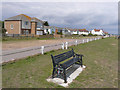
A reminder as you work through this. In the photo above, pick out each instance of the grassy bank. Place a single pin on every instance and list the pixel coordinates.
(100, 57)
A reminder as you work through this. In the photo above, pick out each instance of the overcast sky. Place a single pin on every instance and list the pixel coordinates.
(89, 15)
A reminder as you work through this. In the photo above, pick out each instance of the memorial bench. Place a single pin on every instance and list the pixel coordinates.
(68, 58)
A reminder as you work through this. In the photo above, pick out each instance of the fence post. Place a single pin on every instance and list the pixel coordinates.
(76, 42)
(83, 40)
(62, 45)
(66, 45)
(87, 40)
(42, 49)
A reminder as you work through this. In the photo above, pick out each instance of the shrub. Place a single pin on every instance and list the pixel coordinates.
(83, 34)
(59, 33)
(90, 34)
(95, 35)
(75, 34)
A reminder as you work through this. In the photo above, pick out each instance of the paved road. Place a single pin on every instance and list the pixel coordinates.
(10, 55)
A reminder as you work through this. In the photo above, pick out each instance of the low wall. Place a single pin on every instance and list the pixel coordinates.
(44, 36)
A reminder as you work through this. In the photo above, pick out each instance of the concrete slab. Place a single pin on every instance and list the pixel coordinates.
(72, 73)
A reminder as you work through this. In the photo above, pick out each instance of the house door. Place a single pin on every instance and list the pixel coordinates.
(39, 33)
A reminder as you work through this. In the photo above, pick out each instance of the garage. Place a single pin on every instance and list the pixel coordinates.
(39, 33)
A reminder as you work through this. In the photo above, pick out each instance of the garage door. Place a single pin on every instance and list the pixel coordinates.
(39, 32)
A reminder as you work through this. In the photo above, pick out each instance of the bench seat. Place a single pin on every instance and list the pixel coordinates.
(70, 62)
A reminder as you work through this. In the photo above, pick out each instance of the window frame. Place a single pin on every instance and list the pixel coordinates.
(11, 26)
(26, 22)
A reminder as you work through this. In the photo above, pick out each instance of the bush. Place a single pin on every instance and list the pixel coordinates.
(90, 34)
(59, 33)
(95, 35)
(83, 35)
(75, 34)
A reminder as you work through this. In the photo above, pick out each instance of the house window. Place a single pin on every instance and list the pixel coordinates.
(26, 32)
(11, 26)
(46, 30)
(26, 23)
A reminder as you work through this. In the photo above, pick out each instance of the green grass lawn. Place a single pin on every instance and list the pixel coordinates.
(100, 58)
(14, 39)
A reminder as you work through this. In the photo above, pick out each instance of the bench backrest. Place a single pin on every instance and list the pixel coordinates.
(61, 57)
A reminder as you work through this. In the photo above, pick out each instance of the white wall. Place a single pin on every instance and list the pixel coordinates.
(45, 31)
(86, 33)
(98, 33)
(74, 32)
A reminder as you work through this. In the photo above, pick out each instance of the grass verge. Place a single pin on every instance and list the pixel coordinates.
(100, 57)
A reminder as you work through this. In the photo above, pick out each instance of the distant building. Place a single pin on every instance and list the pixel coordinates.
(24, 25)
(83, 32)
(73, 31)
(78, 31)
(97, 32)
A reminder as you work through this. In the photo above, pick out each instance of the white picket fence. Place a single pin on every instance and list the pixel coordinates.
(21, 53)
(67, 44)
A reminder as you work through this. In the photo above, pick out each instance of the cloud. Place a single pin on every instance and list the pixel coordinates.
(87, 15)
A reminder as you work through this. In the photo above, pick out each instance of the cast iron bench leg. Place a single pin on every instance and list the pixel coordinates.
(81, 62)
(65, 79)
(53, 73)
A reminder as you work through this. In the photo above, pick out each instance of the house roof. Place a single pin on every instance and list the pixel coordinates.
(83, 30)
(19, 17)
(96, 30)
(36, 19)
(80, 30)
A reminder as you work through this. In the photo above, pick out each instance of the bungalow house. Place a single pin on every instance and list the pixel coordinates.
(23, 24)
(78, 31)
(97, 32)
(73, 31)
(83, 31)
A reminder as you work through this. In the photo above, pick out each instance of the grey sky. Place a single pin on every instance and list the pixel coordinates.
(89, 15)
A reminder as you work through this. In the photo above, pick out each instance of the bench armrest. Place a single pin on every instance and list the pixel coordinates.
(79, 55)
(62, 65)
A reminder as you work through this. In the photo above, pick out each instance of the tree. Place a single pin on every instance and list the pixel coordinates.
(4, 31)
(46, 23)
(2, 28)
(2, 24)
